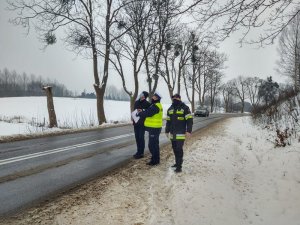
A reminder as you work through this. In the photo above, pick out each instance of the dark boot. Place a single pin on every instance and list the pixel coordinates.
(178, 170)
(137, 156)
(152, 163)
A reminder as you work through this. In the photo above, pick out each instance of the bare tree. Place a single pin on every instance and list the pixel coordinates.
(227, 92)
(215, 81)
(177, 55)
(194, 64)
(205, 64)
(211, 68)
(164, 17)
(193, 70)
(239, 87)
(86, 26)
(186, 51)
(129, 48)
(215, 75)
(270, 16)
(252, 87)
(289, 51)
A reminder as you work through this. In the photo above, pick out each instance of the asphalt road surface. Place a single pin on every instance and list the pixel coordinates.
(38, 169)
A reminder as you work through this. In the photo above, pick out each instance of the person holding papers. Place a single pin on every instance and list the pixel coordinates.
(140, 104)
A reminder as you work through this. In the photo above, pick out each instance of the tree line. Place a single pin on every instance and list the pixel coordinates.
(171, 41)
(13, 84)
(253, 89)
(111, 93)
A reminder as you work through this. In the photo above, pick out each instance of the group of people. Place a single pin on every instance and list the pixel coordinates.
(149, 117)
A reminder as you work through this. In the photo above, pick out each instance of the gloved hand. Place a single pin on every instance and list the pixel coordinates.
(188, 135)
(138, 112)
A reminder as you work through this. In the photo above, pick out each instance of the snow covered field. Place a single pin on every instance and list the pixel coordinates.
(19, 114)
(232, 175)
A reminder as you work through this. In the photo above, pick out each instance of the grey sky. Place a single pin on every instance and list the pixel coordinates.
(23, 53)
(249, 60)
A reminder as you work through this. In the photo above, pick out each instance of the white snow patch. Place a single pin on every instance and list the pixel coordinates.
(24, 115)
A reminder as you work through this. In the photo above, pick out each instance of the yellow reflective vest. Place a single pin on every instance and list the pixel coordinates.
(155, 121)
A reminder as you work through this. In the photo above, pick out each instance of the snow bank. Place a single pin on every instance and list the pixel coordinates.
(283, 122)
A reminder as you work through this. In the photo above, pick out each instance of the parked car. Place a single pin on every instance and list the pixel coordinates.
(201, 111)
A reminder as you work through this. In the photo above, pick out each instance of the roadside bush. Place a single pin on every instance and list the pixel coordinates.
(281, 117)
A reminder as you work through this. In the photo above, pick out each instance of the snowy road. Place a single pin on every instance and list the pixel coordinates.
(232, 175)
(45, 166)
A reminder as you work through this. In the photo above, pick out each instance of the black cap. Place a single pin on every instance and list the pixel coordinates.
(145, 93)
(176, 96)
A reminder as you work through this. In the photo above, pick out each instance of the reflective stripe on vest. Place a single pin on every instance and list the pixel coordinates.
(178, 137)
(155, 121)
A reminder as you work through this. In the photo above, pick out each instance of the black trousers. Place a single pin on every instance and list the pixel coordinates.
(154, 144)
(178, 152)
(139, 131)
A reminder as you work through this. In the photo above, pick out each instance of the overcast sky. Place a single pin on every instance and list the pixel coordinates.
(23, 53)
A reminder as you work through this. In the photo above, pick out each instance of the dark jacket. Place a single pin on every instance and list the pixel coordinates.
(144, 104)
(179, 121)
(151, 110)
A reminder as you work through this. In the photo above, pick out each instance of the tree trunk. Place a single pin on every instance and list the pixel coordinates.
(99, 92)
(204, 83)
(156, 70)
(98, 89)
(243, 106)
(170, 91)
(226, 101)
(100, 104)
(212, 104)
(50, 106)
(132, 101)
(179, 77)
(193, 88)
(226, 107)
(147, 67)
(199, 84)
(156, 77)
(297, 82)
(136, 80)
(212, 98)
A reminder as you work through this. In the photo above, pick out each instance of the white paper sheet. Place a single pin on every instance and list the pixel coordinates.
(134, 116)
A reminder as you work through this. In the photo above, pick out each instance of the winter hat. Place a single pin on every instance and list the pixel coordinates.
(176, 96)
(157, 95)
(145, 93)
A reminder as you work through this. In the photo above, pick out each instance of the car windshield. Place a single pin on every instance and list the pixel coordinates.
(201, 108)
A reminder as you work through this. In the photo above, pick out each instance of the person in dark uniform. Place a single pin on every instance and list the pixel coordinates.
(153, 123)
(179, 126)
(139, 129)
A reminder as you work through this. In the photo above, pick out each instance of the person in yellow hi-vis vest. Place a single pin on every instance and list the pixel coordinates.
(153, 124)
